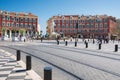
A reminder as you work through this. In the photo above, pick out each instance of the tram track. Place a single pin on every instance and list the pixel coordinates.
(87, 52)
(79, 62)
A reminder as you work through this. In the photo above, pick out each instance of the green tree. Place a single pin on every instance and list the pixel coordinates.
(22, 31)
(3, 31)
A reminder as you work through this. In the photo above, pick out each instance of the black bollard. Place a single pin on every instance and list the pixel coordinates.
(18, 55)
(57, 42)
(86, 45)
(24, 40)
(99, 46)
(116, 48)
(41, 39)
(66, 43)
(28, 62)
(47, 73)
(75, 43)
(93, 41)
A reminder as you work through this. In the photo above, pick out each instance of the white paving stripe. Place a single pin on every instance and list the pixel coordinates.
(12, 70)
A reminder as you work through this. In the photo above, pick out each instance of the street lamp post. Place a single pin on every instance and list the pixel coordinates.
(77, 30)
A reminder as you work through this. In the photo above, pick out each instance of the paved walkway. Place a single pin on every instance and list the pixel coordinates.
(10, 69)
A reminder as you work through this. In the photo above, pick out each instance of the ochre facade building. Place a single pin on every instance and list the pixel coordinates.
(82, 26)
(14, 24)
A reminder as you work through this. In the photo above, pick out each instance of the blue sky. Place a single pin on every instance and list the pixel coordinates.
(44, 9)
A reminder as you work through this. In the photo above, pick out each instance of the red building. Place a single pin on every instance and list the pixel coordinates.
(14, 24)
(82, 26)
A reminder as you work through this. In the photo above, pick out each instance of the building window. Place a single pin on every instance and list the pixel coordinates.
(17, 25)
(8, 24)
(83, 20)
(96, 25)
(62, 21)
(66, 21)
(96, 31)
(87, 26)
(3, 17)
(100, 25)
(21, 19)
(8, 18)
(71, 25)
(75, 25)
(25, 25)
(58, 25)
(34, 20)
(92, 21)
(3, 24)
(12, 25)
(106, 20)
(30, 25)
(26, 19)
(70, 21)
(21, 25)
(62, 30)
(66, 25)
(62, 25)
(105, 25)
(12, 18)
(30, 19)
(17, 19)
(74, 30)
(34, 25)
(105, 30)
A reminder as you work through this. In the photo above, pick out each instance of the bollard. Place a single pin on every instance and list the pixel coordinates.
(75, 43)
(86, 45)
(28, 62)
(18, 55)
(66, 43)
(47, 73)
(99, 46)
(116, 48)
(24, 40)
(41, 39)
(57, 42)
(93, 41)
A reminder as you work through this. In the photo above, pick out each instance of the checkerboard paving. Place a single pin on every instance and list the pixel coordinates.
(11, 70)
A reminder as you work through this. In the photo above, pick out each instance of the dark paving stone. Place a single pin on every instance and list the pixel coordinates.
(10, 61)
(16, 77)
(3, 75)
(18, 71)
(23, 70)
(2, 63)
